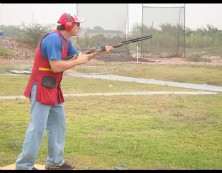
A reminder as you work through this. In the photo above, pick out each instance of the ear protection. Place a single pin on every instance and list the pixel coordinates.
(68, 24)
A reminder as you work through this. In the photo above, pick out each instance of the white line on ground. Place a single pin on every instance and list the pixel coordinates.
(124, 93)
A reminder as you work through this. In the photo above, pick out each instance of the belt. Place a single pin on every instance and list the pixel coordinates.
(45, 69)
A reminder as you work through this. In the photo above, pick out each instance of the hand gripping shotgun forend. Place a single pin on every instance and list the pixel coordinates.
(116, 45)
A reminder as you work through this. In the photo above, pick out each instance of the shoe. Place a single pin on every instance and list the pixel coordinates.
(64, 166)
(34, 168)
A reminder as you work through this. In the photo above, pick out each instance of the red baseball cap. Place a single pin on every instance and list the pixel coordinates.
(64, 18)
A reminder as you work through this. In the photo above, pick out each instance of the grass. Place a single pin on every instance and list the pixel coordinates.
(178, 73)
(143, 132)
(12, 85)
(190, 73)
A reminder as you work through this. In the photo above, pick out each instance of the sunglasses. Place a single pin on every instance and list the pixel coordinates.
(77, 24)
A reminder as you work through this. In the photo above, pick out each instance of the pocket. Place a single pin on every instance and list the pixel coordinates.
(48, 82)
(45, 95)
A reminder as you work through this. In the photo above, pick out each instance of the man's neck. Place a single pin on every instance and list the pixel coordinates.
(65, 34)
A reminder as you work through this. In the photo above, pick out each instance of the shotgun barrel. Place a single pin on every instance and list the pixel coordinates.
(115, 45)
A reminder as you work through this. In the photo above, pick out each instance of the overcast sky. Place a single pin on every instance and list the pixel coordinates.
(196, 15)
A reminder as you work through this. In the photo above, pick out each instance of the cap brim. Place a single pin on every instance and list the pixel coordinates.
(80, 21)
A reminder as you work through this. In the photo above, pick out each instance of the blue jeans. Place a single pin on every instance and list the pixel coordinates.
(43, 117)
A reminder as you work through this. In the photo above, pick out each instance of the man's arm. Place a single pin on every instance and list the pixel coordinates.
(63, 65)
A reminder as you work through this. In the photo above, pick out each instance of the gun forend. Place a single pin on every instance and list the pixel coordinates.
(95, 49)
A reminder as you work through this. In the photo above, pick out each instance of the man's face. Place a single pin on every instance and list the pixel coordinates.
(75, 29)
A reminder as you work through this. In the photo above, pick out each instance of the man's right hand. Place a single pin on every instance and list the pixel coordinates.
(86, 57)
(83, 58)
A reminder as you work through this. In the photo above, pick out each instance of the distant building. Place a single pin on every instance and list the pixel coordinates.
(98, 30)
(106, 33)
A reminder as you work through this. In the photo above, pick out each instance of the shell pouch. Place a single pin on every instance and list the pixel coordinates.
(48, 82)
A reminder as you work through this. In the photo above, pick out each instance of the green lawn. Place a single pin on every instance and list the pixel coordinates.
(143, 132)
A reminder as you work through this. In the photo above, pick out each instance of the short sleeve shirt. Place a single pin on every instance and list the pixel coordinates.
(51, 47)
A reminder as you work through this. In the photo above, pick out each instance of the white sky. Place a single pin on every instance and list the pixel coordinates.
(196, 15)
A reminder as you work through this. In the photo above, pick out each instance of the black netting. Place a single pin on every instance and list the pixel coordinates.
(167, 26)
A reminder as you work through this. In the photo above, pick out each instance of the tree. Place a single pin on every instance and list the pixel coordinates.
(34, 32)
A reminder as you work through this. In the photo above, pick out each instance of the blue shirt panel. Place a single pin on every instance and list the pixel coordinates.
(51, 47)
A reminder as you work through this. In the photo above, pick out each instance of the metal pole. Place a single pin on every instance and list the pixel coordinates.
(184, 29)
(141, 45)
(77, 13)
(137, 54)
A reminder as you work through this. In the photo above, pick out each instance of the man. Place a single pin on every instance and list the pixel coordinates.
(46, 97)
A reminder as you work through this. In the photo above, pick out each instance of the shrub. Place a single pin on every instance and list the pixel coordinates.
(7, 53)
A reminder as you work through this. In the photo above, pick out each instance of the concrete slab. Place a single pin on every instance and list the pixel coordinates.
(12, 167)
(20, 71)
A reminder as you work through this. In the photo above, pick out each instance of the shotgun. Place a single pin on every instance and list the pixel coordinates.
(116, 45)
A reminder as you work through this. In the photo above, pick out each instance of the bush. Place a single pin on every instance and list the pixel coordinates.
(7, 53)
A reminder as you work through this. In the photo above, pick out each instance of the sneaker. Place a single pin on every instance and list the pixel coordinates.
(64, 166)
